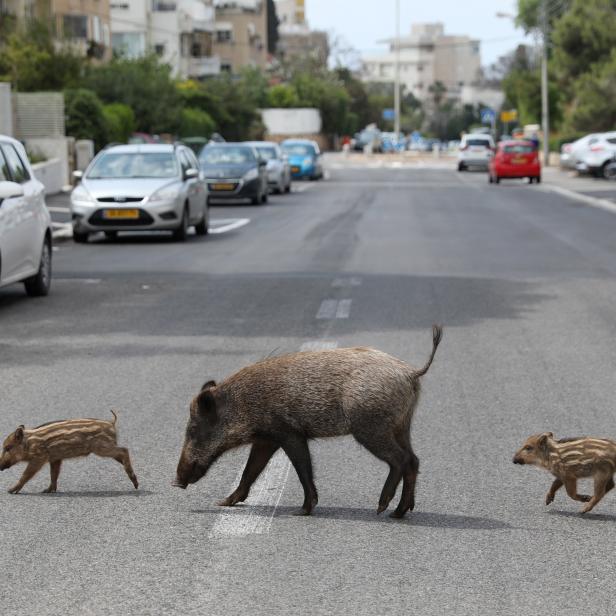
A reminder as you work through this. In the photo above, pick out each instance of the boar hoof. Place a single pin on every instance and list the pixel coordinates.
(380, 509)
(49, 490)
(14, 490)
(397, 515)
(583, 498)
(302, 512)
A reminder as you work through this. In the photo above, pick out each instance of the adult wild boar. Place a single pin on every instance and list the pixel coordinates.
(284, 401)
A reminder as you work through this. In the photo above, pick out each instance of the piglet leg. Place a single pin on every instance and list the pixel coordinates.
(54, 468)
(34, 466)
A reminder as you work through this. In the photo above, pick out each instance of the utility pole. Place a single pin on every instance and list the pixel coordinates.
(545, 110)
(397, 72)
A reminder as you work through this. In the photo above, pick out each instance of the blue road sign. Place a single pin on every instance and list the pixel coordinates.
(389, 114)
(488, 116)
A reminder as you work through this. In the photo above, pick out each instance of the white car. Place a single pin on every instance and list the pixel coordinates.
(571, 154)
(25, 224)
(476, 150)
(599, 151)
(277, 167)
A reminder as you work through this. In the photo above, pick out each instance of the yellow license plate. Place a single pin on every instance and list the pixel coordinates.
(121, 214)
(223, 186)
(295, 169)
(518, 161)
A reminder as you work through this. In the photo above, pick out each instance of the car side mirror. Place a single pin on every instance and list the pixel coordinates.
(191, 173)
(78, 175)
(262, 163)
(10, 190)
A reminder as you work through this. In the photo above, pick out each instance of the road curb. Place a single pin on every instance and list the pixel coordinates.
(603, 204)
(62, 234)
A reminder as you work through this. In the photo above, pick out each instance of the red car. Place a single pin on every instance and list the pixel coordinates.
(515, 159)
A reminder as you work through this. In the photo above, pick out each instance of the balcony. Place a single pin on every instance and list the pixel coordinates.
(203, 67)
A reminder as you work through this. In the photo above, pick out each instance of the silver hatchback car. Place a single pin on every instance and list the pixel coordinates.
(140, 188)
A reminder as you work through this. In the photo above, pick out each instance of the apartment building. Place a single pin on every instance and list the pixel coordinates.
(86, 24)
(241, 34)
(180, 32)
(426, 56)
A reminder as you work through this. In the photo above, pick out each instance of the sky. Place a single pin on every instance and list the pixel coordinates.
(362, 23)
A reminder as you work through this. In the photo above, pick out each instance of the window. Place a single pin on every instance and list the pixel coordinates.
(184, 162)
(226, 68)
(75, 26)
(129, 44)
(4, 170)
(159, 49)
(224, 36)
(16, 167)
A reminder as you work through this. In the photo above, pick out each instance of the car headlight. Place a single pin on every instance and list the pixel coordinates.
(307, 161)
(252, 174)
(81, 195)
(168, 193)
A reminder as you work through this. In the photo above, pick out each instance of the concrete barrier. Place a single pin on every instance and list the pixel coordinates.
(51, 174)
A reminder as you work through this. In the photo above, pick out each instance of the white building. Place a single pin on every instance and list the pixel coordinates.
(179, 32)
(427, 55)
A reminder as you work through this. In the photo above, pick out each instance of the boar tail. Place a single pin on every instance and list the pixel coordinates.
(437, 334)
(115, 417)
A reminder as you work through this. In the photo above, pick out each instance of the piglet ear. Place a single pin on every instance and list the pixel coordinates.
(206, 406)
(543, 441)
(208, 385)
(19, 434)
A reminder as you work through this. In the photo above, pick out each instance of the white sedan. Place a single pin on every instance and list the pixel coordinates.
(25, 224)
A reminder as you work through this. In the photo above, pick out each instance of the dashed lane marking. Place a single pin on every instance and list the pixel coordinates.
(224, 225)
(255, 518)
(352, 281)
(334, 309)
(344, 309)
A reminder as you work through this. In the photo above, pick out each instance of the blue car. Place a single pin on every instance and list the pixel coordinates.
(304, 158)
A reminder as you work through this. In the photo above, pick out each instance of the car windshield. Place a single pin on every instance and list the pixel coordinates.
(134, 165)
(519, 148)
(213, 155)
(267, 152)
(481, 142)
(298, 149)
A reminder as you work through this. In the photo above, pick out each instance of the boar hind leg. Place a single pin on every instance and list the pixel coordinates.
(601, 483)
(54, 468)
(120, 454)
(34, 466)
(260, 454)
(296, 448)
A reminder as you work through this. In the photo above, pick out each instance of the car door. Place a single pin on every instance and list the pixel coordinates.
(19, 241)
(191, 186)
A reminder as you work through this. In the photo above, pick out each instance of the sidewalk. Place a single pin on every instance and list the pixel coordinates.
(597, 188)
(59, 208)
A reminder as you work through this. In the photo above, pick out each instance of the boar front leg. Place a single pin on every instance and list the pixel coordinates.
(54, 468)
(557, 484)
(260, 454)
(34, 466)
(296, 448)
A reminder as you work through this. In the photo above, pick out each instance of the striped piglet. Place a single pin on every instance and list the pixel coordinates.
(570, 459)
(58, 440)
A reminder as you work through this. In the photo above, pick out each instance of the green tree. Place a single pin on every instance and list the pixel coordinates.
(530, 16)
(85, 118)
(120, 121)
(145, 85)
(196, 123)
(282, 95)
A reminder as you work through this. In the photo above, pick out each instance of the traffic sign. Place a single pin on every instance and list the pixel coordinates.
(488, 116)
(509, 116)
(389, 114)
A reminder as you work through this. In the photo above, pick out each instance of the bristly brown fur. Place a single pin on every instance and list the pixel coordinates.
(55, 441)
(283, 402)
(570, 459)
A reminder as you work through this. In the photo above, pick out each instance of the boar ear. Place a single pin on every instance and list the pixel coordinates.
(206, 406)
(19, 434)
(543, 442)
(208, 385)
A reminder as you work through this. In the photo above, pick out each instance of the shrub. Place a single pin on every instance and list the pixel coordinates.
(120, 121)
(85, 118)
(196, 123)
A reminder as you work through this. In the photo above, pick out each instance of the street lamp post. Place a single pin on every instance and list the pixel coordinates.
(545, 109)
(397, 74)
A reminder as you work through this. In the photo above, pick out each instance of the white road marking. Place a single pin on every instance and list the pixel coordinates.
(352, 281)
(344, 309)
(604, 204)
(327, 309)
(54, 208)
(80, 280)
(300, 188)
(224, 225)
(255, 518)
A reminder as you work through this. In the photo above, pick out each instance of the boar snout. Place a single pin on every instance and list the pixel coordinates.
(188, 472)
(517, 460)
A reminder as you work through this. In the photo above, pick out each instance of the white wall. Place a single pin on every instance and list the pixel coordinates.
(303, 121)
(50, 173)
(6, 110)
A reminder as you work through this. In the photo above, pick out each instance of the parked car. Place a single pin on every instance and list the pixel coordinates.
(304, 157)
(476, 150)
(597, 153)
(196, 144)
(140, 188)
(277, 165)
(234, 171)
(25, 224)
(572, 153)
(515, 159)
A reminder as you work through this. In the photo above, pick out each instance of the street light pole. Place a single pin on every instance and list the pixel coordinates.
(397, 72)
(545, 109)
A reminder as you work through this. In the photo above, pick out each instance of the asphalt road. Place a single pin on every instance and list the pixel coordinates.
(523, 281)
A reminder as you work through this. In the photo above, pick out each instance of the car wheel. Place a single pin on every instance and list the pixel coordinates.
(202, 228)
(461, 167)
(80, 237)
(256, 200)
(39, 284)
(111, 235)
(181, 233)
(288, 187)
(490, 179)
(538, 179)
(497, 179)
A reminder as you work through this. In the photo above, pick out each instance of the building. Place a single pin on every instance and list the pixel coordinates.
(241, 34)
(180, 32)
(86, 24)
(427, 56)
